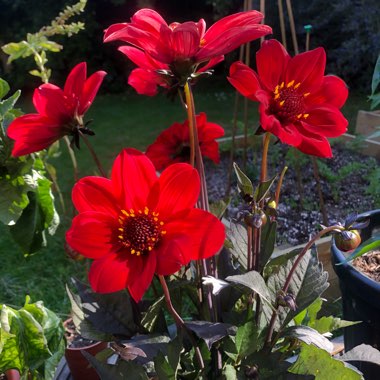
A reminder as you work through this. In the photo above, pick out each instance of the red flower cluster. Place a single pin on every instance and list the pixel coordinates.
(60, 112)
(172, 145)
(180, 50)
(298, 104)
(135, 224)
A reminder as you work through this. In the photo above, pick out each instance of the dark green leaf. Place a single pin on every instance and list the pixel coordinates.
(244, 183)
(123, 370)
(163, 369)
(309, 336)
(262, 189)
(254, 281)
(229, 372)
(28, 231)
(275, 264)
(219, 208)
(362, 353)
(319, 363)
(247, 339)
(103, 313)
(4, 88)
(376, 76)
(210, 332)
(268, 241)
(153, 314)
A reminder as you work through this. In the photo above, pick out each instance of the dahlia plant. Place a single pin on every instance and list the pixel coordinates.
(233, 311)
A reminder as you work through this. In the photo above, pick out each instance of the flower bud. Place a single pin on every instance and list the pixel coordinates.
(347, 240)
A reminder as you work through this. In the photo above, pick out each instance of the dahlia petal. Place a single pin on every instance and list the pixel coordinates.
(75, 81)
(49, 101)
(307, 69)
(133, 175)
(177, 189)
(315, 145)
(92, 234)
(114, 31)
(145, 82)
(149, 19)
(185, 40)
(210, 149)
(32, 133)
(141, 274)
(272, 60)
(211, 63)
(198, 235)
(90, 89)
(109, 274)
(95, 194)
(333, 91)
(230, 40)
(235, 20)
(141, 59)
(244, 79)
(326, 120)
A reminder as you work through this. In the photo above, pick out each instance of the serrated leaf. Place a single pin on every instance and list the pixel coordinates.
(7, 104)
(119, 371)
(35, 73)
(50, 46)
(362, 353)
(254, 281)
(367, 246)
(153, 314)
(4, 88)
(46, 201)
(103, 312)
(329, 324)
(247, 339)
(229, 372)
(309, 336)
(376, 76)
(318, 362)
(309, 281)
(210, 332)
(237, 235)
(28, 230)
(219, 208)
(268, 242)
(244, 183)
(17, 50)
(262, 189)
(309, 315)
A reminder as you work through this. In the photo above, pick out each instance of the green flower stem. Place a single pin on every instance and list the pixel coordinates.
(93, 154)
(72, 157)
(208, 266)
(179, 321)
(268, 341)
(279, 185)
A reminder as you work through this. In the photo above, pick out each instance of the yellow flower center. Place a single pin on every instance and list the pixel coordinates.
(140, 231)
(288, 104)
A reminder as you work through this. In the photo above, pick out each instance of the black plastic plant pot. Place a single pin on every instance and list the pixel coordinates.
(360, 298)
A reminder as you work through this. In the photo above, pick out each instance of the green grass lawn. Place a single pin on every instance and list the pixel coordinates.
(120, 120)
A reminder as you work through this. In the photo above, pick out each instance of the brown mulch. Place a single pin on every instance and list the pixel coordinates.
(369, 264)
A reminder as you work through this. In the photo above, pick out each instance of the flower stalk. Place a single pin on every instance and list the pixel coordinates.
(269, 342)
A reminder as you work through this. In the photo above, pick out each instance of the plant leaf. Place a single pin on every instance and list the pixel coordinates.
(309, 336)
(4, 88)
(247, 339)
(103, 312)
(119, 371)
(254, 281)
(268, 242)
(362, 353)
(329, 324)
(210, 332)
(376, 76)
(244, 183)
(318, 362)
(262, 189)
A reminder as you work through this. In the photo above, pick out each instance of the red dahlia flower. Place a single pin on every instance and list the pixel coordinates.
(298, 104)
(135, 224)
(173, 144)
(184, 46)
(60, 112)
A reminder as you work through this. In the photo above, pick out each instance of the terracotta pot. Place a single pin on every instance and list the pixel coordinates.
(79, 366)
(361, 300)
(12, 374)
